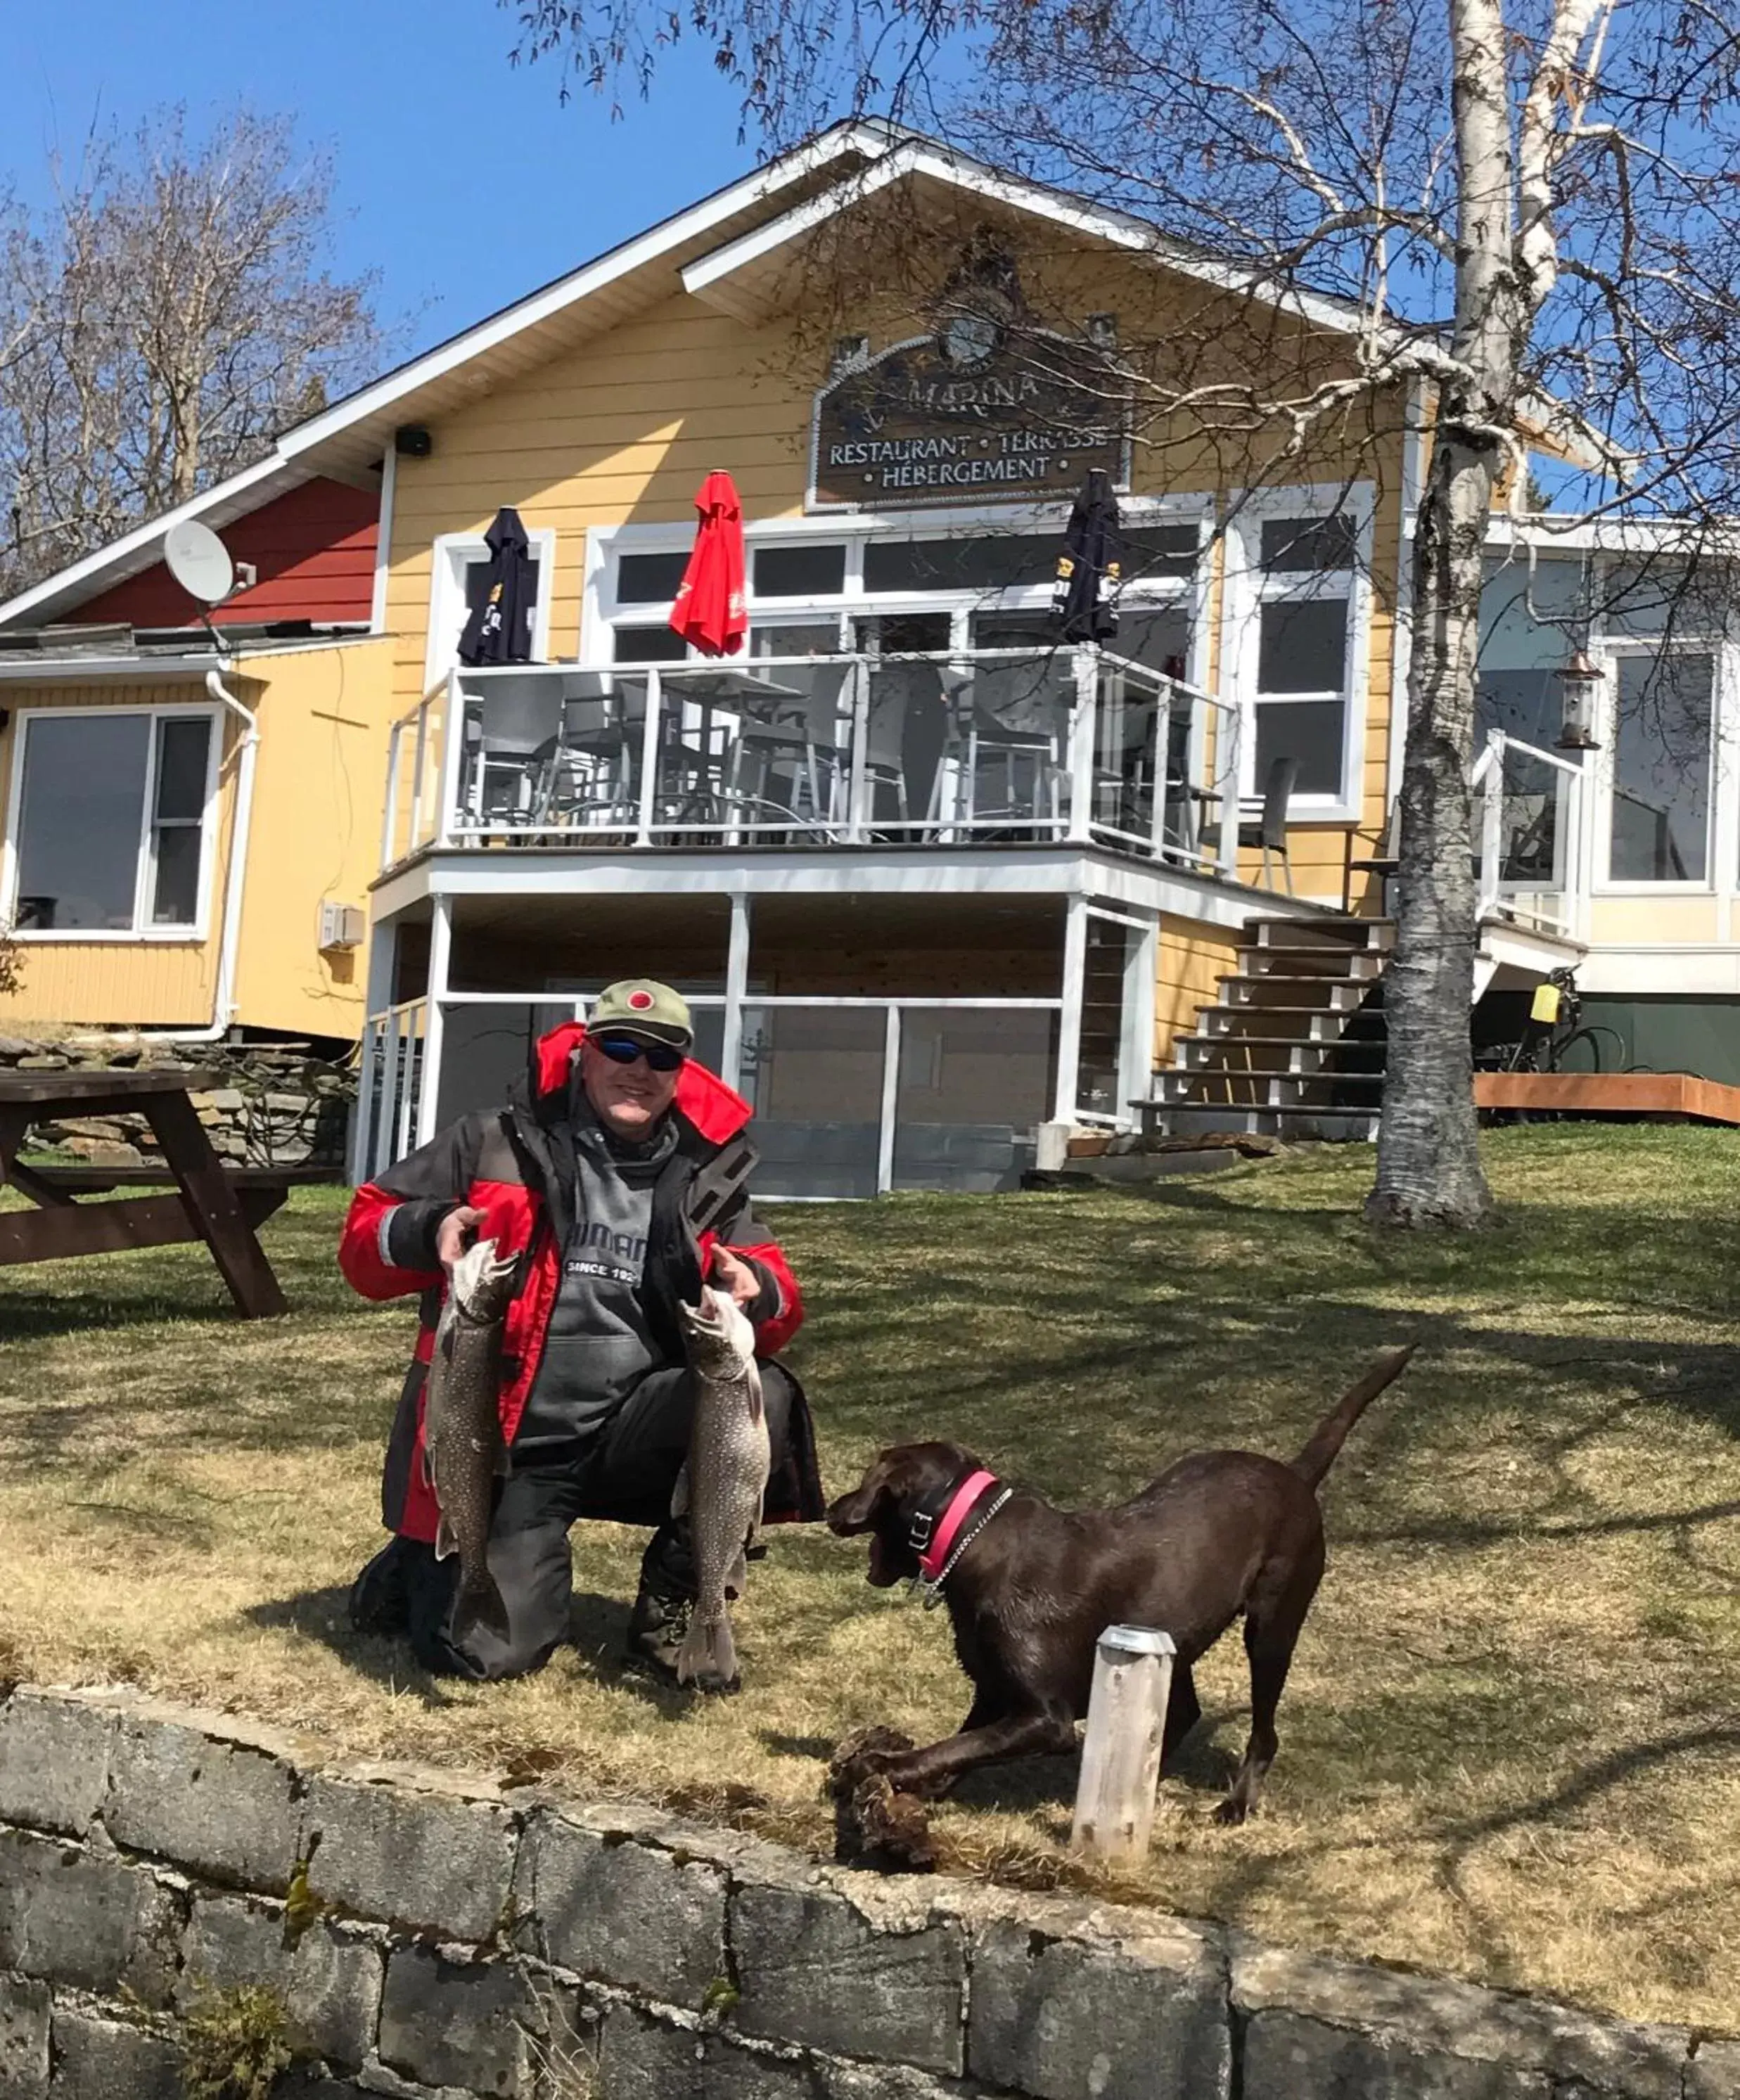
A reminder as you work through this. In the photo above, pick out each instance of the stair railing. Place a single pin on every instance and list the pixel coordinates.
(1530, 870)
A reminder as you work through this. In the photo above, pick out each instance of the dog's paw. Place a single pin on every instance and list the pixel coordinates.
(1231, 1811)
(861, 1756)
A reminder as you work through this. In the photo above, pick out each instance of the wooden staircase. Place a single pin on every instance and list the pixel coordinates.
(1295, 1046)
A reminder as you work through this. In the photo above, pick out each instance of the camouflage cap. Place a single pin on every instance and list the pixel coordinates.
(643, 1007)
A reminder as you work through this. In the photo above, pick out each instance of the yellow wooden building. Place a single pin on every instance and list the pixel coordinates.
(931, 878)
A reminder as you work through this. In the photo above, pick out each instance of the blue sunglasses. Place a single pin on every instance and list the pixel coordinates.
(627, 1049)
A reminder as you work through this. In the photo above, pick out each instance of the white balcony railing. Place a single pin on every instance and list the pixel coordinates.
(1529, 836)
(992, 746)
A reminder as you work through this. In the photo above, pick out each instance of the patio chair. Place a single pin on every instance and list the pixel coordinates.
(1383, 863)
(789, 761)
(589, 769)
(1269, 830)
(906, 736)
(992, 745)
(501, 774)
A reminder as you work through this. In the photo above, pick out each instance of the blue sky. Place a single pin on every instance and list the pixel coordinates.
(465, 180)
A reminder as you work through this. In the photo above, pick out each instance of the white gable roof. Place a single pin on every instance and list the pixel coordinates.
(747, 275)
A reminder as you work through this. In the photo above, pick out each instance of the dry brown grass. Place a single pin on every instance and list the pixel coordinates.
(1510, 1746)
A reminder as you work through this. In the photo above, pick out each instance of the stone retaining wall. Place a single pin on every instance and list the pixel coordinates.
(263, 1104)
(436, 1938)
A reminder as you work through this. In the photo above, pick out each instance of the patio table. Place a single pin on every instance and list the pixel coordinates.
(206, 1204)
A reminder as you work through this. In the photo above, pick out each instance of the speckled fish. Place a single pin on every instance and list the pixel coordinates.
(723, 1482)
(462, 1428)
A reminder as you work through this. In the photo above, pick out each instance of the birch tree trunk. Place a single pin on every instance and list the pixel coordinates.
(1428, 1170)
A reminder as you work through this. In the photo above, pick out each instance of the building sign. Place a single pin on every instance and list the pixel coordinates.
(969, 417)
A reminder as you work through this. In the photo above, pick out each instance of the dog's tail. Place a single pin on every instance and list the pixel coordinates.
(1319, 1454)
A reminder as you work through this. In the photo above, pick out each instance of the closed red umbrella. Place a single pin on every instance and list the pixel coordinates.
(709, 610)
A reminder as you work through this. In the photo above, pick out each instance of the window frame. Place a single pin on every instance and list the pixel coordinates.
(197, 932)
(602, 616)
(1609, 648)
(453, 554)
(1248, 589)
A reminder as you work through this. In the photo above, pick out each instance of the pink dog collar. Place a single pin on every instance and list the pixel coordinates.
(931, 1560)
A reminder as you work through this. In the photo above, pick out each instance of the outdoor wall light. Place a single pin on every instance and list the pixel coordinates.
(1579, 683)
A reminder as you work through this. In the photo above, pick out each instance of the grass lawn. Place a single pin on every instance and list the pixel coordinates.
(1511, 1744)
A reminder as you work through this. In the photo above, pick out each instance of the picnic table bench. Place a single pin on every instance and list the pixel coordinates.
(209, 1203)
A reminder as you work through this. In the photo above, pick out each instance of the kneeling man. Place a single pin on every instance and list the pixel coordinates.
(621, 1170)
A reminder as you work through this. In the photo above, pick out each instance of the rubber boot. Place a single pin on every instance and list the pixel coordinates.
(380, 1597)
(660, 1616)
(656, 1626)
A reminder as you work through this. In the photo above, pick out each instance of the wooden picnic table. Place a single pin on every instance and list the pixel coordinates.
(208, 1204)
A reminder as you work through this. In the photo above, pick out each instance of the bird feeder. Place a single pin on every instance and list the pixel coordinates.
(1579, 686)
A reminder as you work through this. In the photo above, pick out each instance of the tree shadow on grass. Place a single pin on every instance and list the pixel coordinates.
(323, 1615)
(30, 1317)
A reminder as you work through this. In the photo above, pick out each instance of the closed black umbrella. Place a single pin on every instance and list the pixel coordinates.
(1084, 598)
(498, 627)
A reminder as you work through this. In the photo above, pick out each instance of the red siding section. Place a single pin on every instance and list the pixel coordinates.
(314, 548)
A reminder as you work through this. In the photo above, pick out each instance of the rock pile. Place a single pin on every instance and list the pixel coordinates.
(263, 1105)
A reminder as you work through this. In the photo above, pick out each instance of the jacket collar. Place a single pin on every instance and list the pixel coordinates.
(713, 1110)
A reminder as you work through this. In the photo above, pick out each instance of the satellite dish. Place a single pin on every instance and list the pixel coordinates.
(199, 562)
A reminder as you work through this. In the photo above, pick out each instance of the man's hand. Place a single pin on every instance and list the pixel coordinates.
(737, 1276)
(454, 1231)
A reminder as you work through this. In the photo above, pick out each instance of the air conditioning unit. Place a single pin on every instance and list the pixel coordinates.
(342, 925)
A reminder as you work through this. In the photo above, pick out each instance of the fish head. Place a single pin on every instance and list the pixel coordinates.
(482, 1284)
(717, 1333)
(897, 1484)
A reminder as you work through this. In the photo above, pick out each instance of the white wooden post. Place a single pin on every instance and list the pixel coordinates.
(1492, 825)
(1084, 730)
(647, 802)
(434, 1017)
(884, 1150)
(390, 815)
(453, 748)
(1120, 1753)
(1229, 765)
(1069, 1019)
(736, 985)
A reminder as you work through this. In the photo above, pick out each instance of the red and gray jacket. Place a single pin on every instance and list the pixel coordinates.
(516, 1165)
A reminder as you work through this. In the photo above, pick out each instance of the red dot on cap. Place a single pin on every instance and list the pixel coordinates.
(640, 1000)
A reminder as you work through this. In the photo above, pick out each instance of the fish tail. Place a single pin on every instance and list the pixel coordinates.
(480, 1603)
(708, 1655)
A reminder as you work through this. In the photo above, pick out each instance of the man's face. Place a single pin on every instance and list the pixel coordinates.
(628, 1099)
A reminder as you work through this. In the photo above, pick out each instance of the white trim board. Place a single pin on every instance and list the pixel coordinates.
(1000, 870)
(383, 541)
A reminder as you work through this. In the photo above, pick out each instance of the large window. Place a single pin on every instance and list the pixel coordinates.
(820, 582)
(1305, 613)
(1660, 830)
(111, 818)
(1295, 586)
(1529, 613)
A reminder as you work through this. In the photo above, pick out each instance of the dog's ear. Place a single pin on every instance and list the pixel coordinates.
(861, 1510)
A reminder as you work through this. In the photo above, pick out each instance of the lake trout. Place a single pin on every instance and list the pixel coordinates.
(462, 1428)
(721, 1485)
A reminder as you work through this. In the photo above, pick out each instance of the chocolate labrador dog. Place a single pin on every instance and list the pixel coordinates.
(1031, 1588)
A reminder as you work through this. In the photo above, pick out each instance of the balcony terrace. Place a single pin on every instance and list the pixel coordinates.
(993, 747)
